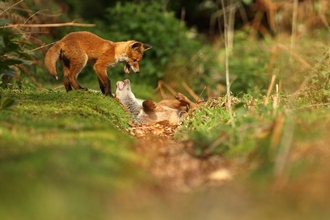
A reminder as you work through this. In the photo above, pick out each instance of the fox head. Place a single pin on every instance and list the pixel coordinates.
(123, 90)
(125, 95)
(134, 54)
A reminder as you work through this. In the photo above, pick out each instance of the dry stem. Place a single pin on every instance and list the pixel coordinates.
(227, 66)
(72, 23)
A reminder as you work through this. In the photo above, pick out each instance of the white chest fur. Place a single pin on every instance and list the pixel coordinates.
(119, 59)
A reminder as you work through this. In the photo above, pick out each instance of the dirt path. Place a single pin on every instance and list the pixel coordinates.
(169, 161)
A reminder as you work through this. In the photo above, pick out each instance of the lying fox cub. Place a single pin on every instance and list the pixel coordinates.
(150, 112)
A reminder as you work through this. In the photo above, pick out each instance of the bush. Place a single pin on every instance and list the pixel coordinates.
(12, 54)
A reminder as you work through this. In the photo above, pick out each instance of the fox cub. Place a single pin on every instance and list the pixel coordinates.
(150, 112)
(78, 48)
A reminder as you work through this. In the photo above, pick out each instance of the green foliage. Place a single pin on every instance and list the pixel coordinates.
(7, 103)
(13, 53)
(317, 90)
(209, 132)
(247, 65)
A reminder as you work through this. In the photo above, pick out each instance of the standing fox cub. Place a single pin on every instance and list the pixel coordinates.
(78, 48)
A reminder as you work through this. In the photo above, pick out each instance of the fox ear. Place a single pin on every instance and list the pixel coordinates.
(135, 45)
(146, 47)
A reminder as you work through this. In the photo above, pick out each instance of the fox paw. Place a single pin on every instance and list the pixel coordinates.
(182, 98)
(149, 105)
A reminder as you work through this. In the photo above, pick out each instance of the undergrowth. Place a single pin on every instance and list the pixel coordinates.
(209, 131)
(278, 141)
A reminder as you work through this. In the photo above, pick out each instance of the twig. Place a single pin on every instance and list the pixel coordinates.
(227, 67)
(40, 12)
(38, 48)
(200, 95)
(190, 91)
(168, 87)
(304, 83)
(49, 25)
(276, 101)
(231, 22)
(218, 14)
(35, 13)
(294, 55)
(275, 52)
(10, 7)
(294, 26)
(270, 88)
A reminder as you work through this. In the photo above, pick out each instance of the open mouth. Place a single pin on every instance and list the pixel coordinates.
(127, 68)
(120, 85)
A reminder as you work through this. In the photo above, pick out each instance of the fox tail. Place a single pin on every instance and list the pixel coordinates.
(51, 58)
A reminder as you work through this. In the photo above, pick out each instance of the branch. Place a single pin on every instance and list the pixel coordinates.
(49, 25)
(10, 7)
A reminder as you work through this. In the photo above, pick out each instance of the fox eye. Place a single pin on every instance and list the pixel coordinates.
(134, 60)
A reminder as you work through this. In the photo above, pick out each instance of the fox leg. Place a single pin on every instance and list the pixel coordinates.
(105, 87)
(184, 101)
(149, 105)
(67, 83)
(72, 68)
(104, 81)
(75, 68)
(101, 86)
(180, 101)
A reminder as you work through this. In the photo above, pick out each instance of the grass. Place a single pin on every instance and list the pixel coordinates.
(68, 156)
(273, 167)
(61, 153)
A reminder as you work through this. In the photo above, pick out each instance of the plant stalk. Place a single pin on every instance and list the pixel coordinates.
(227, 65)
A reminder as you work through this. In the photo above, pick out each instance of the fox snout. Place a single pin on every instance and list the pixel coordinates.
(128, 66)
(135, 68)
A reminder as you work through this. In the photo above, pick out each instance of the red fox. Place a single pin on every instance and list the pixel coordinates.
(150, 112)
(78, 48)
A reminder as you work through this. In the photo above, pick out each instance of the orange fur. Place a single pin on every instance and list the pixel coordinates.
(78, 48)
